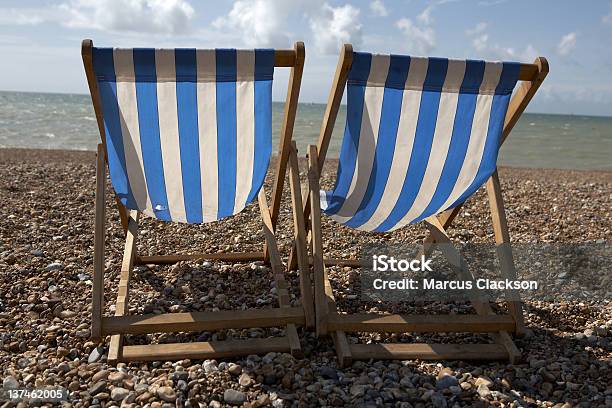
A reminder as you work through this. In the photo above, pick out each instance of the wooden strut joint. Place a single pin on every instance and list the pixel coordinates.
(276, 264)
(129, 255)
(300, 238)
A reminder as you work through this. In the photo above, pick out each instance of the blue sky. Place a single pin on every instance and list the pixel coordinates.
(40, 40)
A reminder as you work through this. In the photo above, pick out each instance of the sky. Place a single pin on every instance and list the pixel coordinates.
(40, 40)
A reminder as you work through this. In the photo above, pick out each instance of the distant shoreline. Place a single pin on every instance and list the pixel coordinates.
(14, 155)
(305, 103)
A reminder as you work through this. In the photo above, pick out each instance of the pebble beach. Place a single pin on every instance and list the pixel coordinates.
(46, 254)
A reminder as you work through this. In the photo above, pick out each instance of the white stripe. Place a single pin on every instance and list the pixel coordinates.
(368, 137)
(478, 135)
(445, 120)
(245, 126)
(130, 131)
(169, 134)
(207, 133)
(409, 115)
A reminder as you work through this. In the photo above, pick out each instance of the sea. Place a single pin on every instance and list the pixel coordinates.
(67, 121)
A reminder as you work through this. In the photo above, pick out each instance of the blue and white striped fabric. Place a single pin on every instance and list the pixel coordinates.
(421, 136)
(188, 132)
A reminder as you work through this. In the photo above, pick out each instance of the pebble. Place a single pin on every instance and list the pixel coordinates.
(234, 369)
(55, 266)
(234, 397)
(118, 394)
(244, 380)
(166, 394)
(10, 382)
(97, 388)
(95, 355)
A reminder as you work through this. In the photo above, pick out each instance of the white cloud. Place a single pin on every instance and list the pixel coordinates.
(480, 43)
(259, 22)
(378, 8)
(425, 16)
(149, 16)
(607, 18)
(334, 26)
(421, 39)
(567, 44)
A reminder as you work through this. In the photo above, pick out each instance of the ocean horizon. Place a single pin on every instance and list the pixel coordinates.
(67, 122)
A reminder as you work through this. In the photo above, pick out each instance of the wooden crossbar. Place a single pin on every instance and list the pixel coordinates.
(370, 322)
(206, 350)
(202, 321)
(427, 351)
(221, 256)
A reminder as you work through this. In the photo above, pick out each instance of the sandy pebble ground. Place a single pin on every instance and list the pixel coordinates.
(46, 247)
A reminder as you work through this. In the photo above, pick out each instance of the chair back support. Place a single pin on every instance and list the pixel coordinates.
(188, 132)
(421, 136)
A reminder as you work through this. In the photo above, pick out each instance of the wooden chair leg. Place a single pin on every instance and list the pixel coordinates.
(277, 271)
(300, 238)
(97, 304)
(129, 255)
(321, 305)
(504, 250)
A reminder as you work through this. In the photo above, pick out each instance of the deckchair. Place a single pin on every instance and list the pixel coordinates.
(187, 136)
(421, 136)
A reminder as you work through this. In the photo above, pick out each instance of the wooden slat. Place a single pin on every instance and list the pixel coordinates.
(343, 349)
(299, 237)
(284, 58)
(129, 254)
(229, 256)
(98, 263)
(369, 322)
(504, 251)
(321, 302)
(276, 264)
(202, 321)
(423, 351)
(293, 93)
(205, 350)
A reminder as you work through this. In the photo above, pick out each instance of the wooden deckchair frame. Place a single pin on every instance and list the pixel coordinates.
(329, 321)
(285, 315)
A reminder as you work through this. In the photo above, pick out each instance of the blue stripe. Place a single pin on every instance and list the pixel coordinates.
(359, 72)
(187, 110)
(226, 130)
(148, 124)
(104, 66)
(387, 134)
(499, 106)
(264, 67)
(462, 128)
(426, 125)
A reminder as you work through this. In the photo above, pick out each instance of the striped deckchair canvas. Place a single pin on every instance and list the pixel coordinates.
(189, 133)
(187, 137)
(421, 136)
